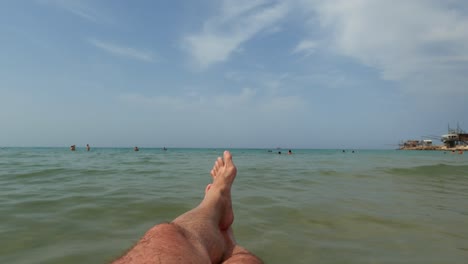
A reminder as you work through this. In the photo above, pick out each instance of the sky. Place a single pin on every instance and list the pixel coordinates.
(231, 73)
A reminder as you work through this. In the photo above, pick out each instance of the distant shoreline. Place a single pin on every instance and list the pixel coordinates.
(439, 148)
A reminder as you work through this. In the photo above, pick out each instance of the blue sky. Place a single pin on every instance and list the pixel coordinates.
(231, 73)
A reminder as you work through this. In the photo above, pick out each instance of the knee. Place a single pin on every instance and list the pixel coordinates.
(169, 242)
(174, 240)
(166, 230)
(164, 227)
(166, 238)
(173, 232)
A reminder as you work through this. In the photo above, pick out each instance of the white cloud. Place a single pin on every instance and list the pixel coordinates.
(306, 47)
(283, 104)
(232, 9)
(189, 103)
(244, 98)
(421, 43)
(247, 100)
(123, 51)
(76, 7)
(163, 102)
(237, 22)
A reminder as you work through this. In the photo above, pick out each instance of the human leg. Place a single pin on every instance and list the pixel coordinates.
(195, 236)
(237, 254)
(233, 252)
(165, 243)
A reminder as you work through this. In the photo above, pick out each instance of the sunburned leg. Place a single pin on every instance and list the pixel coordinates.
(194, 237)
(215, 211)
(223, 173)
(165, 243)
(233, 253)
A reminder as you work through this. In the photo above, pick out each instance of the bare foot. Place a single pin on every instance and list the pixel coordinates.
(224, 172)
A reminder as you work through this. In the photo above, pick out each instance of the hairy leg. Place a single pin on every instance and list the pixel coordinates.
(165, 243)
(233, 252)
(215, 211)
(195, 236)
(221, 172)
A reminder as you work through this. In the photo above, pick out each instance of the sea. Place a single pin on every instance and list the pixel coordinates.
(314, 206)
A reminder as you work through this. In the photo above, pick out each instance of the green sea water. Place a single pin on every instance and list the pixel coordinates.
(315, 206)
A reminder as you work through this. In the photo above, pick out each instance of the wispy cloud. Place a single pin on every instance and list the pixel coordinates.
(122, 51)
(306, 47)
(422, 44)
(246, 99)
(77, 7)
(237, 22)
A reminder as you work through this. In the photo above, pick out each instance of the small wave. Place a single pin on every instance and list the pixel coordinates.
(39, 173)
(431, 170)
(328, 172)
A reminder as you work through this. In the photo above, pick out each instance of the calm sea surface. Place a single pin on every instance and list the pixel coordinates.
(315, 206)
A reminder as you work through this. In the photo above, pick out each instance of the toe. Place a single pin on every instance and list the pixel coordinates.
(227, 158)
(219, 162)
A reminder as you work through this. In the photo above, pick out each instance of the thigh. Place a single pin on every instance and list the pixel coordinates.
(165, 243)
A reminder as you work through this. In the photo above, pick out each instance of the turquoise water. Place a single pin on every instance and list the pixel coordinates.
(315, 206)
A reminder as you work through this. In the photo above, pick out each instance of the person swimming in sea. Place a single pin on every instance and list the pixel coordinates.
(136, 149)
(72, 147)
(201, 235)
(88, 147)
